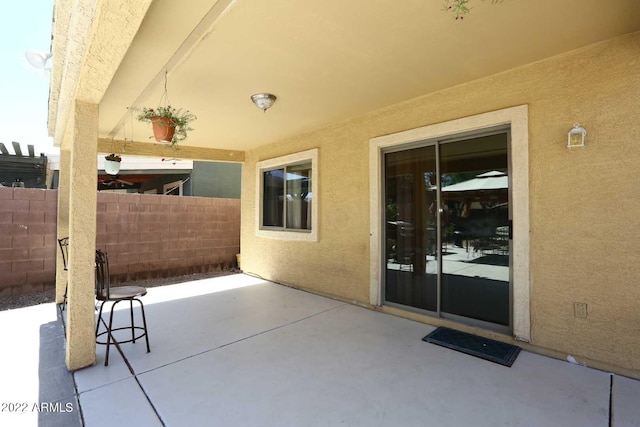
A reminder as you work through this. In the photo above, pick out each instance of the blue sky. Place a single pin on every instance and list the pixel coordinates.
(24, 92)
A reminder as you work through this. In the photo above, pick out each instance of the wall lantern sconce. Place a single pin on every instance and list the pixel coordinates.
(576, 136)
(263, 101)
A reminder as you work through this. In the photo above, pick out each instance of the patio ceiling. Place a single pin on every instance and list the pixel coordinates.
(328, 61)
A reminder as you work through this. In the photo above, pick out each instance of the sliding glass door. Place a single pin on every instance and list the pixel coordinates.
(447, 229)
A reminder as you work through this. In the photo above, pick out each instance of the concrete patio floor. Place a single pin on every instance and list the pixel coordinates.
(240, 351)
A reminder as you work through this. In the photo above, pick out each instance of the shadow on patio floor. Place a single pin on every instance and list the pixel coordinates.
(237, 350)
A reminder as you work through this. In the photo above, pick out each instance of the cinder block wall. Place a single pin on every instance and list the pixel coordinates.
(149, 236)
(27, 239)
(146, 236)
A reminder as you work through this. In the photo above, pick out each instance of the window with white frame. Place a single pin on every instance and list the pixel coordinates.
(287, 196)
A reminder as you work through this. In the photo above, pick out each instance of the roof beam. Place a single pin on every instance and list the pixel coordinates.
(59, 38)
(86, 53)
(136, 148)
(4, 149)
(17, 149)
(30, 161)
(31, 150)
(199, 33)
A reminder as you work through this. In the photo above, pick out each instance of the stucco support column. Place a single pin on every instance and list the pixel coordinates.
(81, 346)
(63, 219)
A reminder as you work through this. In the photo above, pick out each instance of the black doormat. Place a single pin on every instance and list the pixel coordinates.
(484, 348)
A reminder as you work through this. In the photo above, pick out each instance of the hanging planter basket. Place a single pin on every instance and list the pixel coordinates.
(112, 164)
(163, 128)
(170, 125)
(111, 167)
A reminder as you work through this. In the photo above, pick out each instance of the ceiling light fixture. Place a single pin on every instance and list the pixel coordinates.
(263, 101)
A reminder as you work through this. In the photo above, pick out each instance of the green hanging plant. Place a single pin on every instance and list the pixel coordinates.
(169, 124)
(461, 7)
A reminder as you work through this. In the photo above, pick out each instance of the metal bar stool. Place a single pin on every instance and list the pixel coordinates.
(105, 293)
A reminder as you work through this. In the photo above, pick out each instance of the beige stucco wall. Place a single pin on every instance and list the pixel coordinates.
(584, 203)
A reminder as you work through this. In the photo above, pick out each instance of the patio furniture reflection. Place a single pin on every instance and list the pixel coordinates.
(400, 243)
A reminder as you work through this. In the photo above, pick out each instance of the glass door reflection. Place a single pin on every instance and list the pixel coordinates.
(474, 195)
(410, 218)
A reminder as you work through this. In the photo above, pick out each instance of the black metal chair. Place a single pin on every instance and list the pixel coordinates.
(105, 293)
(64, 248)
